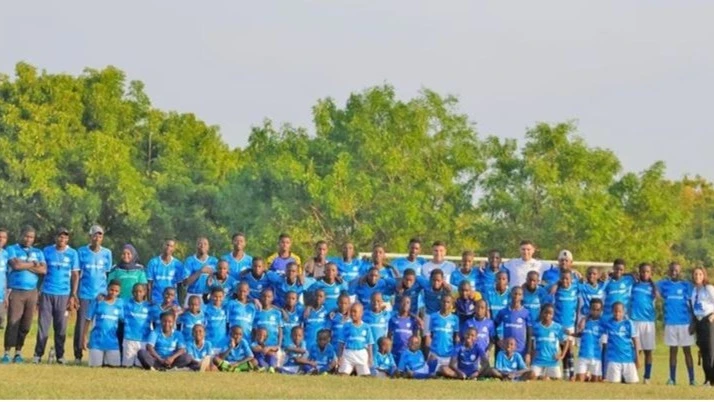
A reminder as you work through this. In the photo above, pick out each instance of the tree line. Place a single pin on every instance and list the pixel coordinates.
(78, 150)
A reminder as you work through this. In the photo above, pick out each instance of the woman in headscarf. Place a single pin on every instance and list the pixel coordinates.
(128, 271)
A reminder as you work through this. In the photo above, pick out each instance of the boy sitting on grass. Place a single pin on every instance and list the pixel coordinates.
(238, 357)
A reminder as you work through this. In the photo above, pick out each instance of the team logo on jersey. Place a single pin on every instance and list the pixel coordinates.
(272, 318)
(551, 335)
(364, 333)
(381, 319)
(65, 259)
(622, 286)
(484, 329)
(473, 357)
(409, 325)
(679, 291)
(116, 311)
(519, 320)
(514, 365)
(448, 326)
(259, 286)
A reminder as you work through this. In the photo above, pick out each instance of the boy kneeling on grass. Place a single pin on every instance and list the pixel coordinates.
(165, 348)
(239, 356)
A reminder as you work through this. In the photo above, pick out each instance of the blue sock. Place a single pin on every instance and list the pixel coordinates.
(690, 371)
(648, 370)
(673, 373)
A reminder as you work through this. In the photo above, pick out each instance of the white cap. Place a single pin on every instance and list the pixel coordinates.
(95, 229)
(565, 255)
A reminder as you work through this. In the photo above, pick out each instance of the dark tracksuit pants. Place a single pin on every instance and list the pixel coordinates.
(705, 342)
(52, 310)
(21, 307)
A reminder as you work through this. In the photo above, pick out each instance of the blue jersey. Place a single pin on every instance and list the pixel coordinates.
(186, 321)
(216, 322)
(402, 264)
(60, 265)
(443, 329)
(165, 345)
(411, 361)
(241, 314)
(94, 268)
(323, 357)
(566, 306)
(256, 285)
(506, 364)
(137, 322)
(468, 359)
(314, 322)
(587, 292)
(618, 291)
(643, 302)
(551, 276)
(432, 297)
(533, 300)
(402, 328)
(106, 317)
(487, 278)
(155, 311)
(363, 292)
(272, 320)
(337, 322)
(676, 301)
(348, 271)
(292, 355)
(23, 279)
(281, 287)
(378, 323)
(4, 256)
(590, 346)
(240, 352)
(199, 352)
(465, 309)
(457, 277)
(332, 292)
(413, 293)
(235, 267)
(291, 319)
(485, 331)
(228, 285)
(356, 337)
(162, 275)
(384, 362)
(193, 265)
(547, 343)
(620, 348)
(515, 324)
(496, 302)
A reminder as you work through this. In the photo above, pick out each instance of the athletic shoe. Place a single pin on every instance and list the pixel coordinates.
(36, 359)
(693, 383)
(5, 359)
(18, 359)
(77, 362)
(671, 382)
(271, 370)
(61, 360)
(646, 381)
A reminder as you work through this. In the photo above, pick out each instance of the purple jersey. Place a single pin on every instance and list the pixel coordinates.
(485, 330)
(401, 329)
(515, 325)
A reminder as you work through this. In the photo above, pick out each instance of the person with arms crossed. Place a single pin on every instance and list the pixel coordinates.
(315, 266)
(196, 270)
(238, 260)
(163, 271)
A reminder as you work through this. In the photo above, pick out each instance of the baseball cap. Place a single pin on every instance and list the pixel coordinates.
(565, 255)
(62, 230)
(96, 229)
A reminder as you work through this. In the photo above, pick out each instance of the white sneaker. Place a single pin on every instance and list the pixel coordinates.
(77, 362)
(36, 359)
(646, 381)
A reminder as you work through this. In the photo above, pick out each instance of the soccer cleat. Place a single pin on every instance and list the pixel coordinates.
(646, 381)
(61, 360)
(271, 370)
(671, 382)
(5, 359)
(36, 359)
(18, 359)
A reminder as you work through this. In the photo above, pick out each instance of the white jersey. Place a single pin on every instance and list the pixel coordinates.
(518, 270)
(447, 267)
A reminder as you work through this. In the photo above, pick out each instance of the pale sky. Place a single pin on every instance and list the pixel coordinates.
(637, 75)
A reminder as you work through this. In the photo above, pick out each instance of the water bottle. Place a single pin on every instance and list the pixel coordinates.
(51, 357)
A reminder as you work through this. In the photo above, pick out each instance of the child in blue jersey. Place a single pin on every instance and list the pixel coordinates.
(384, 365)
(315, 318)
(590, 288)
(165, 348)
(356, 345)
(408, 287)
(566, 310)
(137, 326)
(238, 357)
(322, 357)
(370, 283)
(443, 334)
(190, 317)
(237, 259)
(497, 299)
(621, 341)
(296, 360)
(466, 272)
(330, 286)
(348, 266)
(590, 331)
(282, 285)
(241, 311)
(103, 341)
(338, 318)
(412, 363)
(292, 315)
(270, 318)
(265, 355)
(468, 362)
(402, 326)
(199, 349)
(642, 314)
(222, 278)
(515, 322)
(466, 302)
(534, 295)
(677, 316)
(487, 274)
(545, 350)
(168, 303)
(484, 326)
(617, 289)
(216, 321)
(377, 318)
(163, 271)
(197, 268)
(510, 365)
(256, 277)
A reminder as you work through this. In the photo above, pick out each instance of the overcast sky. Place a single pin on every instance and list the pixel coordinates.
(637, 75)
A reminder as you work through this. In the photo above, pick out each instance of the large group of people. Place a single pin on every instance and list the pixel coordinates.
(412, 317)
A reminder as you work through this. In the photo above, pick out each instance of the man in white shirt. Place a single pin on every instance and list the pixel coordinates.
(518, 268)
(438, 261)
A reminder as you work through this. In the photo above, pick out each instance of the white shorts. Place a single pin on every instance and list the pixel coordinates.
(98, 358)
(646, 334)
(441, 361)
(592, 366)
(281, 357)
(131, 351)
(357, 360)
(617, 371)
(551, 372)
(380, 374)
(678, 335)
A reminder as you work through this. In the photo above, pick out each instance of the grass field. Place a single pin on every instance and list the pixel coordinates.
(29, 381)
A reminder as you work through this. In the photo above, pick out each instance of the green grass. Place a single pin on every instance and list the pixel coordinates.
(28, 381)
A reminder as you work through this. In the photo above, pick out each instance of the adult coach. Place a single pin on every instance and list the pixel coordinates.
(95, 262)
(438, 250)
(26, 265)
(518, 268)
(702, 299)
(60, 282)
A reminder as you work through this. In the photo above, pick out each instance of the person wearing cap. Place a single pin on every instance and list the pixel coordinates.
(518, 268)
(551, 276)
(95, 262)
(26, 265)
(60, 282)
